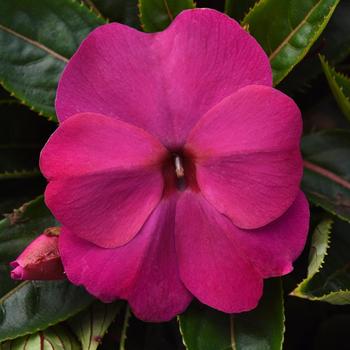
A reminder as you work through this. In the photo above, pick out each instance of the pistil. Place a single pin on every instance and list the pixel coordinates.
(179, 169)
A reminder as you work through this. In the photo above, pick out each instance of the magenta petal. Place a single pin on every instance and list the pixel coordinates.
(273, 248)
(247, 155)
(105, 177)
(211, 266)
(162, 82)
(144, 271)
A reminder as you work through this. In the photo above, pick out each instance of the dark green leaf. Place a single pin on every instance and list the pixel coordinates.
(326, 178)
(37, 38)
(328, 277)
(122, 11)
(287, 29)
(340, 86)
(36, 305)
(91, 325)
(238, 8)
(334, 43)
(156, 15)
(203, 328)
(17, 231)
(54, 338)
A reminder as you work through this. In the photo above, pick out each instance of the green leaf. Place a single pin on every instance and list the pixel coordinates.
(122, 11)
(91, 325)
(36, 305)
(334, 43)
(340, 86)
(156, 15)
(123, 335)
(54, 338)
(31, 306)
(328, 277)
(17, 230)
(287, 29)
(37, 38)
(203, 328)
(238, 8)
(326, 178)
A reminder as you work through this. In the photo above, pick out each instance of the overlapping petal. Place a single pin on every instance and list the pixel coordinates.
(224, 266)
(144, 271)
(211, 265)
(105, 177)
(162, 82)
(247, 155)
(273, 248)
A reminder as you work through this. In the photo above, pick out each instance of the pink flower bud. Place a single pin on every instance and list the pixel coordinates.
(40, 260)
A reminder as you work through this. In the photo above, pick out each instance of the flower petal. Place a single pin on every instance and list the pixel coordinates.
(162, 82)
(211, 266)
(144, 271)
(273, 248)
(105, 177)
(247, 155)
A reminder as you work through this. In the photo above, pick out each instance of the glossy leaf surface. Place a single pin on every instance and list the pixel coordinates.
(37, 38)
(287, 29)
(36, 305)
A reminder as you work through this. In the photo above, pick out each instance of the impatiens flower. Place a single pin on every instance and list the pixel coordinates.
(175, 170)
(40, 260)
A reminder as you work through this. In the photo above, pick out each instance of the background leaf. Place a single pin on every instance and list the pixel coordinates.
(203, 328)
(333, 43)
(340, 86)
(54, 338)
(91, 325)
(328, 277)
(156, 15)
(36, 305)
(326, 178)
(287, 29)
(37, 38)
(121, 11)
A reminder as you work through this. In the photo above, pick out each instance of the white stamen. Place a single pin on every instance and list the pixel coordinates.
(180, 172)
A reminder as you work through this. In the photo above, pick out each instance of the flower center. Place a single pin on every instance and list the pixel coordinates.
(179, 172)
(179, 169)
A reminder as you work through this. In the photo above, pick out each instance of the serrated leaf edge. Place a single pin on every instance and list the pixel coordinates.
(317, 33)
(298, 290)
(19, 174)
(331, 75)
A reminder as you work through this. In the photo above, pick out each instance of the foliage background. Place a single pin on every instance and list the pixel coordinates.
(57, 315)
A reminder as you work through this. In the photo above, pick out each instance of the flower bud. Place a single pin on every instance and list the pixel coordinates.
(41, 259)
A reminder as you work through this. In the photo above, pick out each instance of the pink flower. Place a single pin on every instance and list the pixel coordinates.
(40, 260)
(175, 170)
